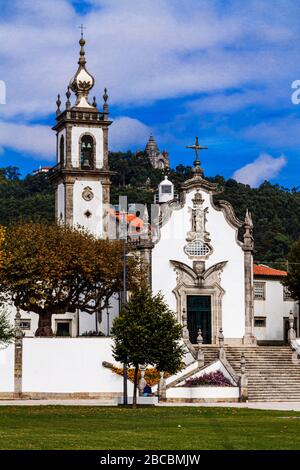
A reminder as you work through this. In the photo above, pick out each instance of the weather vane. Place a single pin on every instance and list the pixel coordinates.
(81, 27)
(197, 148)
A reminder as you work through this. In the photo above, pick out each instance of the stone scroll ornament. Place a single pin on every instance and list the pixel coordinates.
(198, 246)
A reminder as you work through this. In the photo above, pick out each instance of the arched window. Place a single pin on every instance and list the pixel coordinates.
(87, 152)
(62, 149)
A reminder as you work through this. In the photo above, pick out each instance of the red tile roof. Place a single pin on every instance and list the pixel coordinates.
(262, 270)
(131, 219)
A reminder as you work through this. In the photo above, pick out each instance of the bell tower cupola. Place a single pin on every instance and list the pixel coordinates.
(81, 175)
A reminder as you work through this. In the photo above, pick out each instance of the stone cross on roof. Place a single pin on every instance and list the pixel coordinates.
(197, 170)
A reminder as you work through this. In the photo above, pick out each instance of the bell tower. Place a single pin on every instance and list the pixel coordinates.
(81, 175)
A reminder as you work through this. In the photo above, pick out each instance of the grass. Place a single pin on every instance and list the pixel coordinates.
(166, 428)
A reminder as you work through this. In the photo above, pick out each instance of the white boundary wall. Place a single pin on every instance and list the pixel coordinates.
(7, 368)
(204, 393)
(69, 365)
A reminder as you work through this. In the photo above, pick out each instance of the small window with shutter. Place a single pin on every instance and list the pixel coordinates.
(259, 291)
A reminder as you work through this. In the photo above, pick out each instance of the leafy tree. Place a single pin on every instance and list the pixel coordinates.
(146, 332)
(10, 173)
(51, 269)
(293, 279)
(7, 332)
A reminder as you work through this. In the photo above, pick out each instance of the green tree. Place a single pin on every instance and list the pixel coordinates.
(53, 269)
(7, 332)
(146, 332)
(293, 278)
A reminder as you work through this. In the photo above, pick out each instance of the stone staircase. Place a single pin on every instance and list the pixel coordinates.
(272, 375)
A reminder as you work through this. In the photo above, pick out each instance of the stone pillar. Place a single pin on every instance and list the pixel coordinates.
(142, 382)
(162, 388)
(291, 333)
(248, 248)
(243, 381)
(200, 353)
(18, 355)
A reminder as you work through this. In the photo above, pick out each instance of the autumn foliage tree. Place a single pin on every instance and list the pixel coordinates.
(52, 269)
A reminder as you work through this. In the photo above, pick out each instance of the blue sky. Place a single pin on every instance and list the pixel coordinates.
(218, 69)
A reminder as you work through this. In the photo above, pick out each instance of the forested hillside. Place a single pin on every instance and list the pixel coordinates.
(275, 210)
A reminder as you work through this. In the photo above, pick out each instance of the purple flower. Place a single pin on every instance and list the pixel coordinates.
(213, 378)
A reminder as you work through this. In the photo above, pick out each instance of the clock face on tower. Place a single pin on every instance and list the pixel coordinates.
(87, 194)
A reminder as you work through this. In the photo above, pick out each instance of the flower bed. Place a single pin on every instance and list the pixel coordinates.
(152, 375)
(216, 379)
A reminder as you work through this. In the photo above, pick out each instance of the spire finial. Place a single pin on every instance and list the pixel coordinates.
(68, 95)
(197, 170)
(58, 103)
(105, 96)
(81, 30)
(83, 81)
(105, 105)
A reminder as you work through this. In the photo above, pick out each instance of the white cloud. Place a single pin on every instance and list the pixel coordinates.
(143, 50)
(280, 132)
(36, 140)
(237, 101)
(126, 133)
(265, 167)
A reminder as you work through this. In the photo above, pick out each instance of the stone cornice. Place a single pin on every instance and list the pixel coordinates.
(197, 182)
(229, 213)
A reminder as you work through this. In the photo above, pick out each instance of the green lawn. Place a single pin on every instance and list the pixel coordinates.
(181, 428)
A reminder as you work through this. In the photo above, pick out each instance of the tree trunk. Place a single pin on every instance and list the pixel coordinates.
(44, 326)
(136, 371)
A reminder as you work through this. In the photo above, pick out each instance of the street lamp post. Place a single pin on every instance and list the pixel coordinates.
(107, 319)
(124, 234)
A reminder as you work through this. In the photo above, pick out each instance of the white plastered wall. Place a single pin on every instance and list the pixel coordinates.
(94, 223)
(69, 365)
(274, 308)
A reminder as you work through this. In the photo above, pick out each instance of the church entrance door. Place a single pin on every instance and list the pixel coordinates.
(199, 316)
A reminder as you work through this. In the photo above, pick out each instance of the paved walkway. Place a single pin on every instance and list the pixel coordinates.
(284, 406)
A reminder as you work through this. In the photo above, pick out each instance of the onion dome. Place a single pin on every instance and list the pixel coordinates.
(82, 82)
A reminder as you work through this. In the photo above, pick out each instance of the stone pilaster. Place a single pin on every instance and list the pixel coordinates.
(105, 148)
(248, 248)
(18, 355)
(69, 186)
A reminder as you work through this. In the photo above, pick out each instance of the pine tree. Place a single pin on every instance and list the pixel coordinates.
(146, 332)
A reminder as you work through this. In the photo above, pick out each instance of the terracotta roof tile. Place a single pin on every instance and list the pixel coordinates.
(262, 270)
